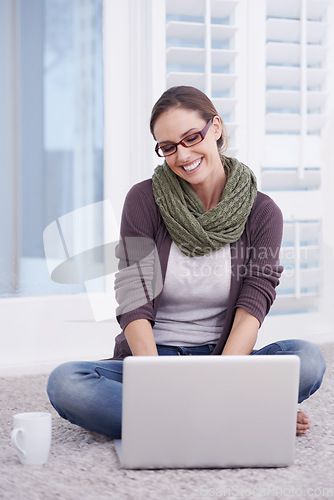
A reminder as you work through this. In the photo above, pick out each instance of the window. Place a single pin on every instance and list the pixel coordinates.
(296, 98)
(51, 128)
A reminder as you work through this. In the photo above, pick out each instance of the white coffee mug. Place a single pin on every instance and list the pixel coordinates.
(32, 437)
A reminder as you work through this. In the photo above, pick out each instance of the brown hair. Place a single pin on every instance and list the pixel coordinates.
(188, 98)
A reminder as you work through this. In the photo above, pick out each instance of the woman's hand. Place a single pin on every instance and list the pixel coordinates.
(139, 335)
(243, 334)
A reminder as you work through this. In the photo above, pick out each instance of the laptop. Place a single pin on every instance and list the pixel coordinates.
(208, 411)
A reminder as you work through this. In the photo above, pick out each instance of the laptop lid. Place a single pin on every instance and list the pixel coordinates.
(209, 411)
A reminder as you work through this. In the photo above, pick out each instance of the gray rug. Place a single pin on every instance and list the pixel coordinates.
(84, 466)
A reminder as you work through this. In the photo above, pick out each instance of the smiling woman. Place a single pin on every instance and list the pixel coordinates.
(198, 163)
(196, 208)
(177, 125)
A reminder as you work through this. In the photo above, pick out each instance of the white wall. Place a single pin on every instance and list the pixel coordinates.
(38, 333)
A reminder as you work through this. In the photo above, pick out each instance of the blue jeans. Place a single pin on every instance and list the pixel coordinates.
(89, 394)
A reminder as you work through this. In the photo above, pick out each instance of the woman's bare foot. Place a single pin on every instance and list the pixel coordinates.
(303, 423)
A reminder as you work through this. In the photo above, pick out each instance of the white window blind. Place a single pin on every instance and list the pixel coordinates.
(296, 94)
(201, 51)
(266, 65)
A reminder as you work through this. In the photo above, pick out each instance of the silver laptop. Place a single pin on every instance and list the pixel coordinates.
(208, 411)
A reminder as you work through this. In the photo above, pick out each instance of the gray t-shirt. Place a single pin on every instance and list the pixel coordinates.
(194, 299)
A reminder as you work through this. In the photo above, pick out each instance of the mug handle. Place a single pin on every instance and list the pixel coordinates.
(14, 434)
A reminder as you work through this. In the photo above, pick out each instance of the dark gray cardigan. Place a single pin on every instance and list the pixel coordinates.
(254, 261)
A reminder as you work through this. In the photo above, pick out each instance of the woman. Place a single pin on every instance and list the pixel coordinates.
(217, 240)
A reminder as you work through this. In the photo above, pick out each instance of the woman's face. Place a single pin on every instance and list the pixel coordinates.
(195, 164)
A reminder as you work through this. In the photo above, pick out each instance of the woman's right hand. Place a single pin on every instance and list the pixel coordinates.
(139, 335)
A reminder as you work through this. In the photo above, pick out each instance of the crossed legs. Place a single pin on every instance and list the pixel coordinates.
(89, 394)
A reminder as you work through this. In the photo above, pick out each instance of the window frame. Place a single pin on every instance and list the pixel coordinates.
(39, 331)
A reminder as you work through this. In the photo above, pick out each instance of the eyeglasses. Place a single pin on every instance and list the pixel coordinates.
(192, 139)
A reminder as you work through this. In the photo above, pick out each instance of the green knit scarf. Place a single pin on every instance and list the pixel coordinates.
(195, 231)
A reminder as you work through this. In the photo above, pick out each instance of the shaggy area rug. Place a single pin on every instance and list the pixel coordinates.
(85, 466)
